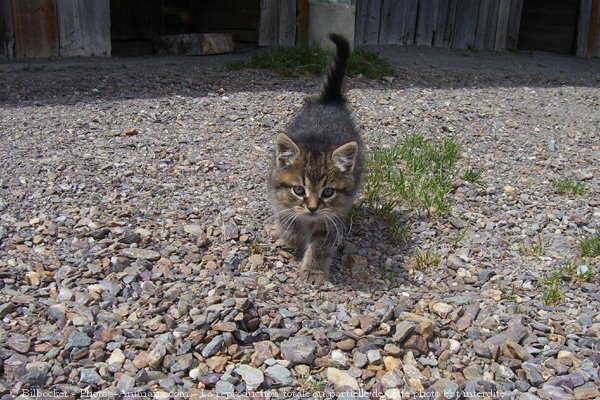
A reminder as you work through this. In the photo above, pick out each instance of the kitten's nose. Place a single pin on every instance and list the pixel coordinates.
(312, 209)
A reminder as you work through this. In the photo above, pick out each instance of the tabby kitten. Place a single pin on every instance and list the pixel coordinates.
(316, 171)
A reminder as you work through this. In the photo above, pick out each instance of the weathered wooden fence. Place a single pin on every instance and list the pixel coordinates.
(52, 28)
(477, 24)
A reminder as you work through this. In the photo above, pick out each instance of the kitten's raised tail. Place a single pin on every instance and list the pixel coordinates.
(332, 88)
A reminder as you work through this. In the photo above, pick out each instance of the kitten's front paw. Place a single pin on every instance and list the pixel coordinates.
(313, 277)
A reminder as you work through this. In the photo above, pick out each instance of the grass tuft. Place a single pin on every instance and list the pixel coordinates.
(566, 187)
(553, 295)
(590, 245)
(312, 60)
(427, 258)
(536, 249)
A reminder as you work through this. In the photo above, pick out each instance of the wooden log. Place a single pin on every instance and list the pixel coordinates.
(84, 27)
(287, 23)
(465, 24)
(7, 34)
(502, 25)
(426, 22)
(269, 23)
(36, 29)
(194, 44)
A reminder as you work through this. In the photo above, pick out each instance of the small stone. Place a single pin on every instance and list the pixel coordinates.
(374, 357)
(514, 334)
(442, 309)
(196, 230)
(448, 389)
(346, 344)
(225, 327)
(492, 294)
(367, 323)
(19, 343)
(116, 357)
(212, 347)
(533, 374)
(392, 363)
(338, 358)
(341, 379)
(418, 343)
(89, 375)
(360, 359)
(280, 375)
(456, 222)
(585, 393)
(156, 355)
(256, 259)
(299, 350)
(130, 131)
(141, 360)
(33, 278)
(78, 339)
(134, 252)
(391, 380)
(403, 330)
(230, 231)
(14, 368)
(125, 383)
(472, 371)
(224, 388)
(252, 376)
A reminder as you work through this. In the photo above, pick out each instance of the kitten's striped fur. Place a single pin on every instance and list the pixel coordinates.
(316, 171)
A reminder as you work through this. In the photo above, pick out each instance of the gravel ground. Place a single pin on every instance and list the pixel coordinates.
(136, 248)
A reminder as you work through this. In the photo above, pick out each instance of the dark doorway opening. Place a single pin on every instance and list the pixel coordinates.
(549, 25)
(135, 23)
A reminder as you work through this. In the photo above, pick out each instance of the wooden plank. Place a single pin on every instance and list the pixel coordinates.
(410, 25)
(514, 24)
(450, 23)
(491, 25)
(597, 51)
(583, 26)
(35, 27)
(360, 21)
(373, 22)
(591, 45)
(84, 27)
(287, 23)
(480, 31)
(269, 23)
(302, 37)
(440, 23)
(502, 25)
(393, 21)
(425, 22)
(465, 24)
(7, 34)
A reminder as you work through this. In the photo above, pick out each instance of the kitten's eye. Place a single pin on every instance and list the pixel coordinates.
(298, 190)
(327, 192)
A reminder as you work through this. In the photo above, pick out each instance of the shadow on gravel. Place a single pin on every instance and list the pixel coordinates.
(90, 80)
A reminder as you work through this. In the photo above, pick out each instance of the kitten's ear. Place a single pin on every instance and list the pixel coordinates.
(286, 150)
(344, 157)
